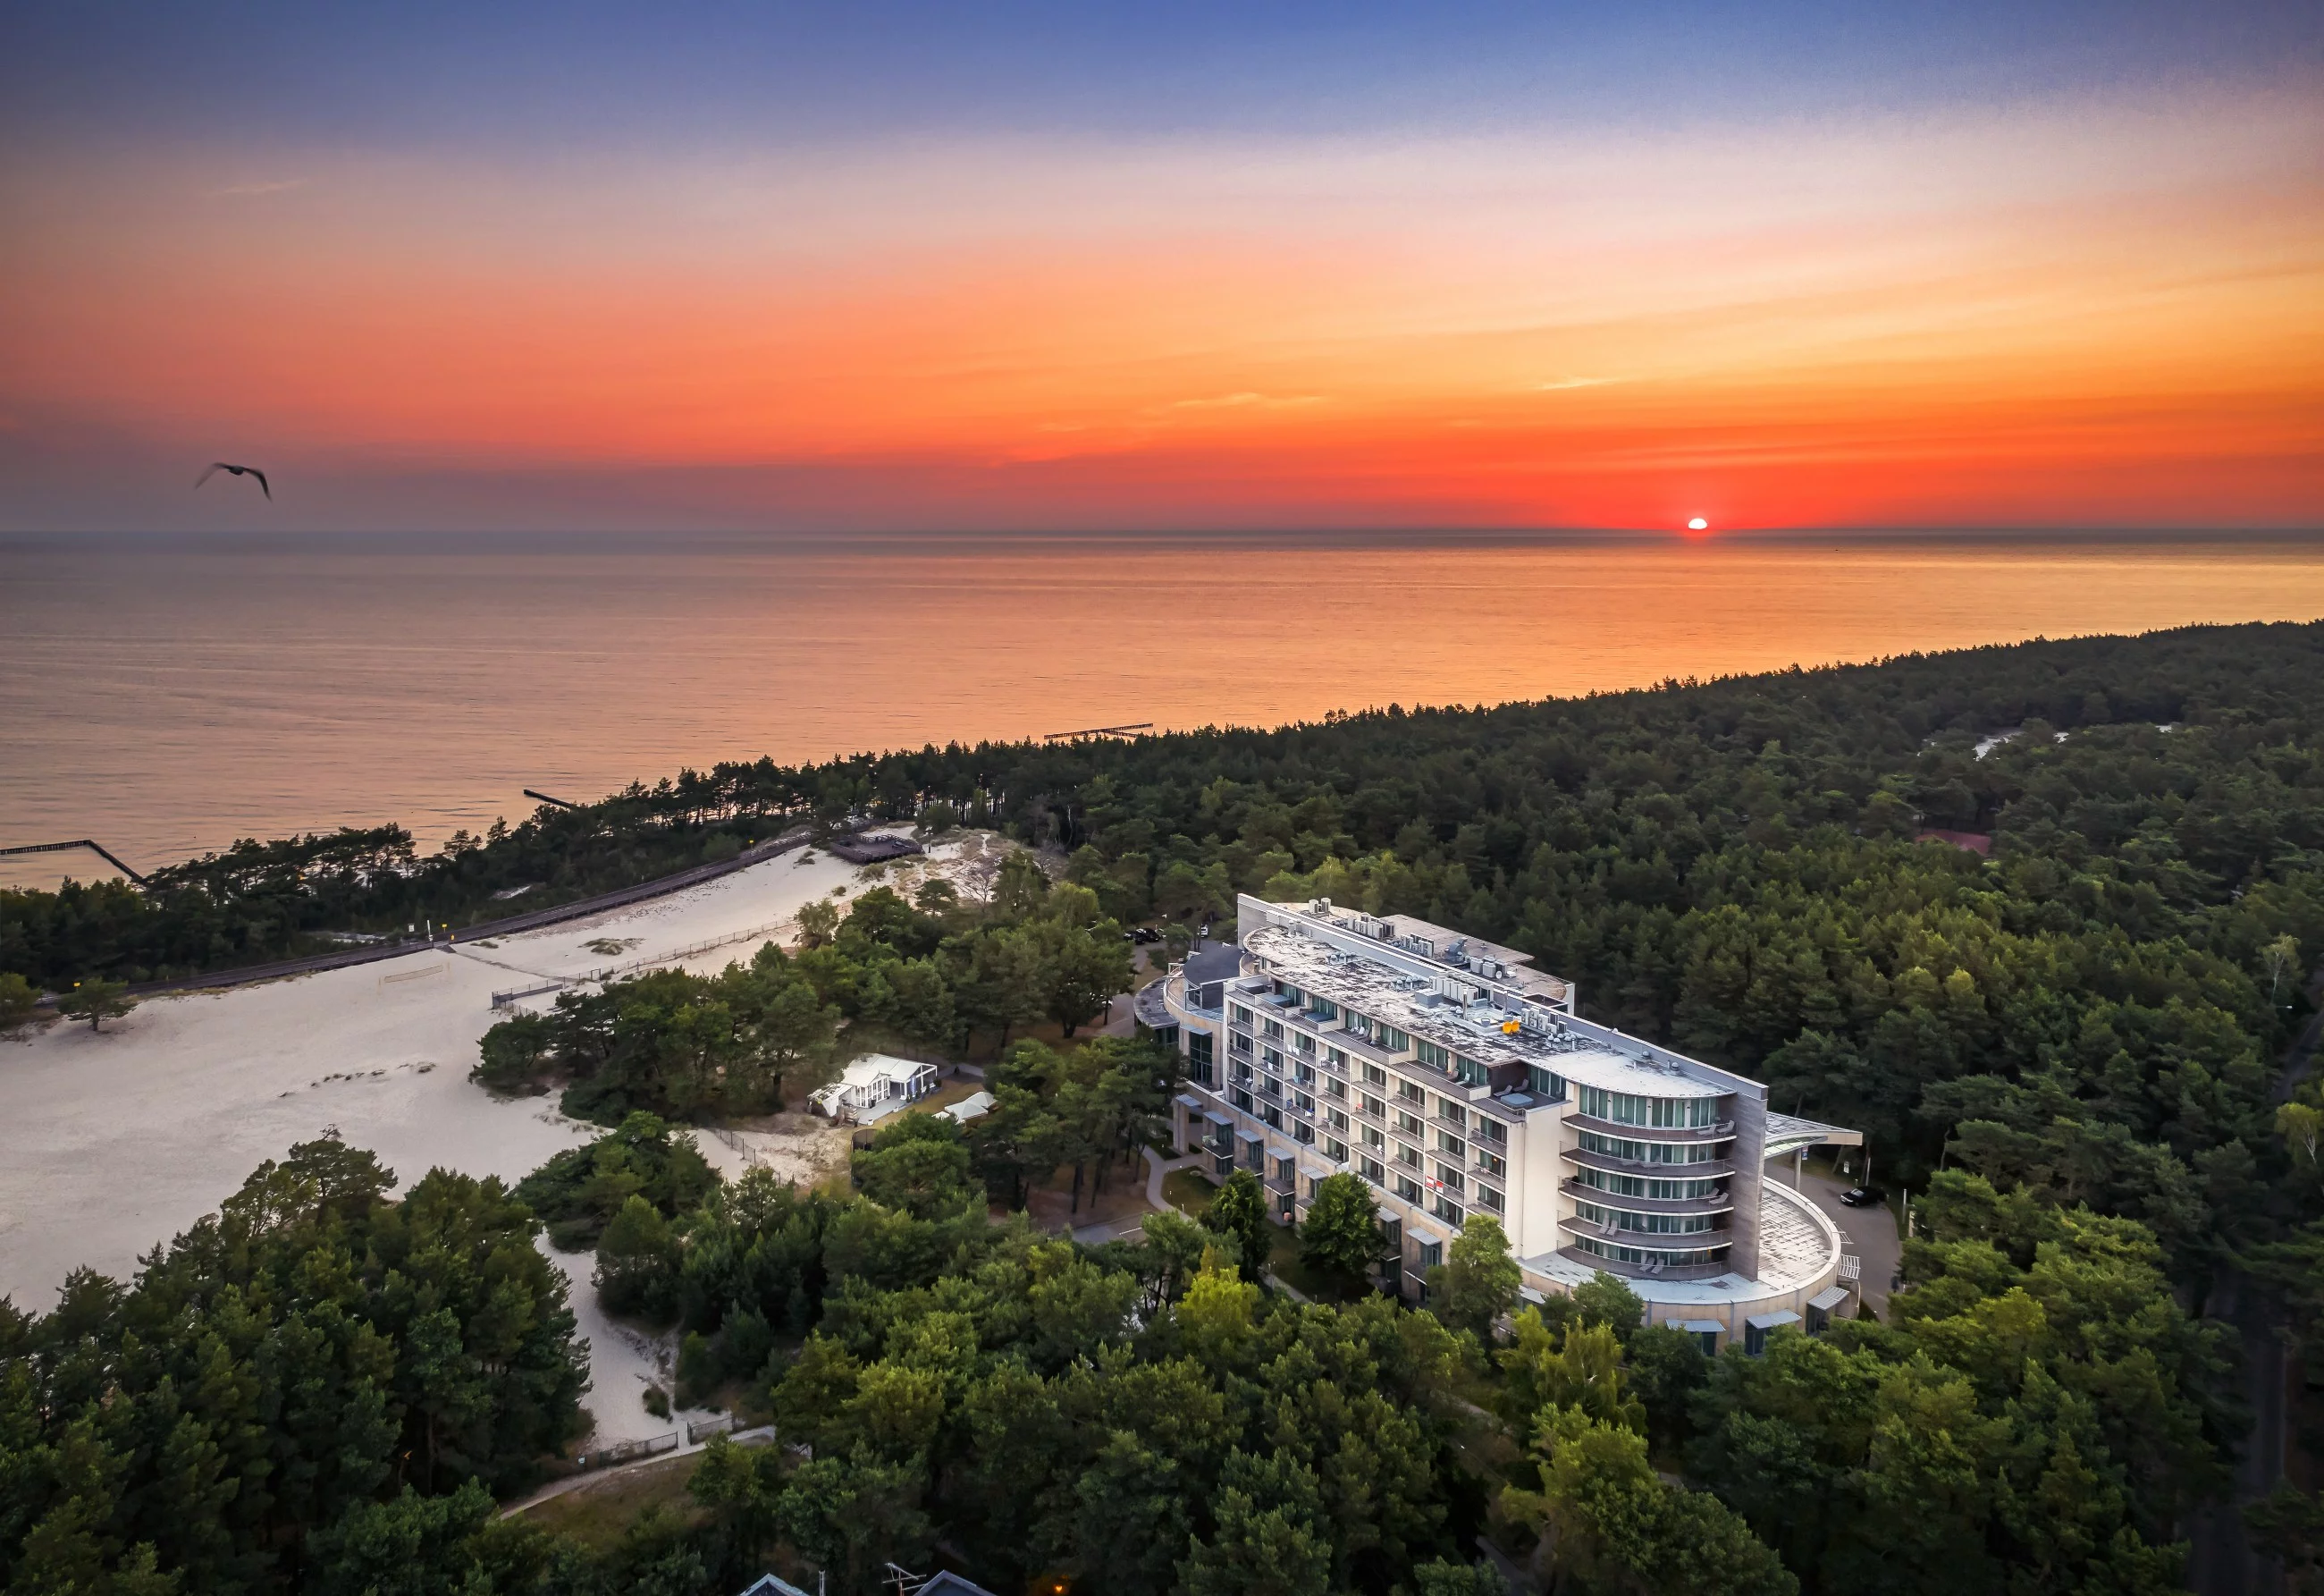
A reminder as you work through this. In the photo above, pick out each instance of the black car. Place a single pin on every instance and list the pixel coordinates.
(1864, 1196)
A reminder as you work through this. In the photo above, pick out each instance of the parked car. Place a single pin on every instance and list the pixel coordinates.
(1864, 1196)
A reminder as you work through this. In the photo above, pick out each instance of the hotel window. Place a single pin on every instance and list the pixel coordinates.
(1202, 1055)
(1407, 1188)
(1471, 1072)
(1241, 1015)
(1336, 1058)
(1238, 1042)
(1492, 1165)
(1271, 1114)
(1432, 1253)
(1305, 1073)
(1448, 1176)
(1445, 1209)
(1303, 1041)
(1370, 1168)
(1303, 1102)
(1487, 1197)
(1322, 1007)
(1337, 1151)
(1375, 1108)
(1369, 1136)
(1408, 1126)
(1335, 1119)
(1431, 1054)
(1407, 1157)
(1446, 1142)
(1242, 1100)
(1374, 1075)
(1271, 1028)
(1452, 1112)
(1491, 1130)
(1407, 1092)
(1547, 1084)
(1270, 1058)
(1332, 1088)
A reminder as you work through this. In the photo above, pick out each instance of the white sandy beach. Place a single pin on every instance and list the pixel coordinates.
(123, 1140)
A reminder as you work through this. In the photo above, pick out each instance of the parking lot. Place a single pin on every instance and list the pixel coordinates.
(1870, 1233)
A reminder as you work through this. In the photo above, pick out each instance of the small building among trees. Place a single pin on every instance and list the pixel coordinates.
(874, 1087)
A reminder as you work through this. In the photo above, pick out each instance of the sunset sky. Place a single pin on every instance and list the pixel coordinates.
(1068, 267)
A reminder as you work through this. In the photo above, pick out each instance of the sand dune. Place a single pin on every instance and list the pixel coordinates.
(120, 1141)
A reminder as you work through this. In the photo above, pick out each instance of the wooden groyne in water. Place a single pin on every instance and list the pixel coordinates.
(98, 849)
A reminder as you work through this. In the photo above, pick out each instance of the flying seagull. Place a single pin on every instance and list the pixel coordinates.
(218, 465)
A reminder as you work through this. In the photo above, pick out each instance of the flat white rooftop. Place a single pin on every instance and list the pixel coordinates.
(1466, 1019)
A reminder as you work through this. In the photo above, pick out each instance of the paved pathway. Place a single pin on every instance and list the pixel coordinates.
(1870, 1233)
(762, 1436)
(1091, 1235)
(1157, 1167)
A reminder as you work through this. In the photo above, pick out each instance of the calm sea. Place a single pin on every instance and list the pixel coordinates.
(166, 697)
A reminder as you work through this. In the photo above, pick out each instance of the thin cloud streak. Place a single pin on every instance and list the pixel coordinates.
(240, 191)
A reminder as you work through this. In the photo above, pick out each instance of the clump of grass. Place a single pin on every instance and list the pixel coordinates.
(657, 1401)
(605, 948)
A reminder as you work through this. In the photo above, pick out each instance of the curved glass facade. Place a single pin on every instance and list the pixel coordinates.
(1659, 1113)
(1652, 1224)
(1651, 1152)
(1660, 1191)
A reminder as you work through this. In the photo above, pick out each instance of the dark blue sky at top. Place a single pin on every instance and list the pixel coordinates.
(542, 77)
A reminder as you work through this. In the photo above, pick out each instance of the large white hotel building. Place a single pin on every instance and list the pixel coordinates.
(1457, 1080)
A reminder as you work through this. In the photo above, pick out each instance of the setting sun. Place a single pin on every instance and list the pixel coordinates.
(1698, 525)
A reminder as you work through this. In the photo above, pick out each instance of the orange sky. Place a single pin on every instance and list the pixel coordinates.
(2097, 313)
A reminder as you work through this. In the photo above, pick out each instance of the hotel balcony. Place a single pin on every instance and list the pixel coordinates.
(1590, 1160)
(1722, 1132)
(1637, 1271)
(1643, 1240)
(1721, 1202)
